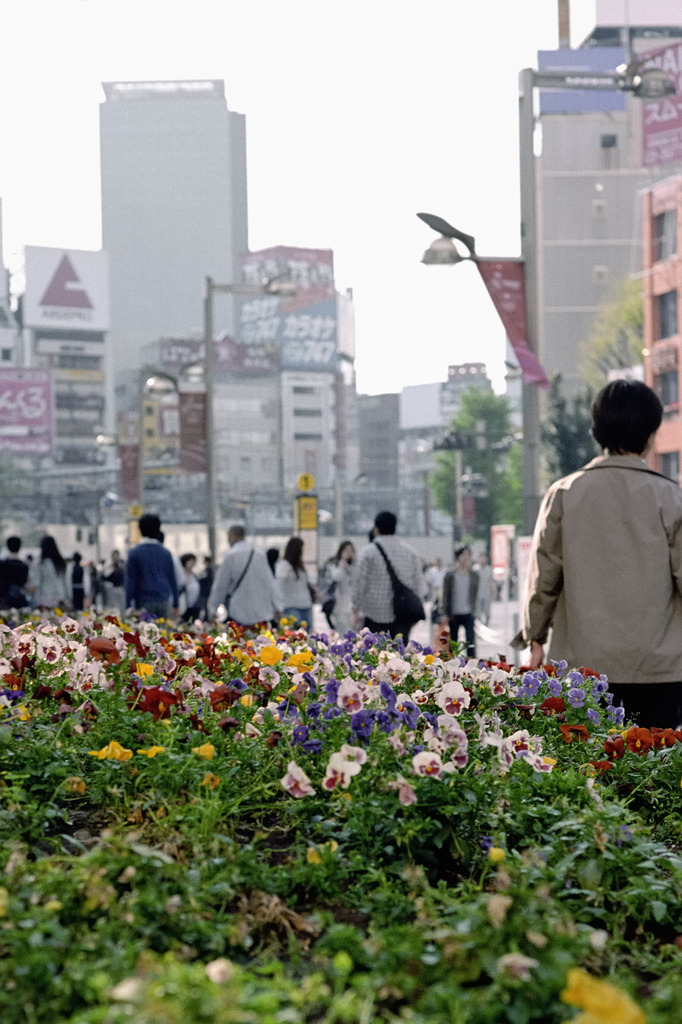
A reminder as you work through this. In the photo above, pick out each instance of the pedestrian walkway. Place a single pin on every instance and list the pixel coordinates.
(492, 640)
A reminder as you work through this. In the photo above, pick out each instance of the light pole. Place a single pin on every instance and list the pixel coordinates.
(277, 286)
(646, 84)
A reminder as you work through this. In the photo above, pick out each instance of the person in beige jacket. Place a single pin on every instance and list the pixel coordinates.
(606, 564)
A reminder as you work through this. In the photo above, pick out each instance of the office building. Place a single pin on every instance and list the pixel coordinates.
(593, 164)
(174, 208)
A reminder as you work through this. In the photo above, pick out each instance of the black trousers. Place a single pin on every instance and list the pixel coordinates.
(648, 704)
(466, 620)
(392, 628)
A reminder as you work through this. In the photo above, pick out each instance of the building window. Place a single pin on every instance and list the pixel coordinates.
(307, 437)
(665, 235)
(298, 390)
(666, 310)
(307, 412)
(6, 355)
(667, 387)
(670, 465)
(609, 152)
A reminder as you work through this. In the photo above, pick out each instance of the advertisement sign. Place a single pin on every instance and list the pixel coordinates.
(500, 539)
(299, 332)
(130, 471)
(26, 412)
(662, 119)
(66, 289)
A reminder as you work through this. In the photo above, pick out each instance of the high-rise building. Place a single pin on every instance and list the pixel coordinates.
(174, 207)
(592, 167)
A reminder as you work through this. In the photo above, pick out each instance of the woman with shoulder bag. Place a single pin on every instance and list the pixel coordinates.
(298, 594)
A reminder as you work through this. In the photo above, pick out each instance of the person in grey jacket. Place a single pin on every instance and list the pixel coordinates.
(244, 584)
(606, 564)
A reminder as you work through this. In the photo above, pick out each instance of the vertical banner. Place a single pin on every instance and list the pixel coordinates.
(662, 119)
(506, 284)
(129, 454)
(26, 411)
(192, 431)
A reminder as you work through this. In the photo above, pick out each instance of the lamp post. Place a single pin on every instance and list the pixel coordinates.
(646, 84)
(277, 286)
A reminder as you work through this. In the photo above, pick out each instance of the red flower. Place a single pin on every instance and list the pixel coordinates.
(585, 672)
(601, 766)
(552, 706)
(223, 697)
(639, 741)
(663, 737)
(155, 700)
(104, 650)
(574, 732)
(615, 747)
(228, 722)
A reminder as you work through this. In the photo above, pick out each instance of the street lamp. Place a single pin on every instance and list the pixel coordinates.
(646, 84)
(277, 286)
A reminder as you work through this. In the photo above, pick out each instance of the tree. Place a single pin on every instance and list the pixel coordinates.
(492, 452)
(617, 341)
(565, 432)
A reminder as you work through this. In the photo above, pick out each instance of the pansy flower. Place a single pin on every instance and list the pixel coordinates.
(296, 782)
(639, 741)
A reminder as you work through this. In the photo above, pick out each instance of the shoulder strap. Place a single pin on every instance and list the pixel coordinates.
(391, 571)
(244, 572)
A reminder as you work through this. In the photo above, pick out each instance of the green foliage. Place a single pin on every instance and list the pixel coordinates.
(565, 431)
(496, 457)
(617, 340)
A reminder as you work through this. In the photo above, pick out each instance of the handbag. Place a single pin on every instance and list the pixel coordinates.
(329, 601)
(228, 597)
(407, 606)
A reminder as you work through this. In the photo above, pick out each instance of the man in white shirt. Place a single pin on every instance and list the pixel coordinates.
(371, 585)
(245, 584)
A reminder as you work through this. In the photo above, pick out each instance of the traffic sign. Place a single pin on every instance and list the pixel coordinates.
(306, 482)
(135, 511)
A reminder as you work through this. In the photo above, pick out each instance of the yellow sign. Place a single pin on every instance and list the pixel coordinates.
(135, 511)
(306, 482)
(305, 517)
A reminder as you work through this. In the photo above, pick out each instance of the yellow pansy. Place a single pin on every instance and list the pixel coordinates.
(206, 750)
(143, 669)
(247, 700)
(74, 784)
(496, 854)
(210, 780)
(270, 655)
(603, 1003)
(301, 658)
(549, 760)
(112, 752)
(151, 751)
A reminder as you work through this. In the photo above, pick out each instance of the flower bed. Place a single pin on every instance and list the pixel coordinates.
(291, 828)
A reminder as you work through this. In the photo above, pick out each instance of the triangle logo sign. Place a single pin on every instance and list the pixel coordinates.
(65, 288)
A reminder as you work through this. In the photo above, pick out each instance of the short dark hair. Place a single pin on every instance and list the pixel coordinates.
(13, 544)
(386, 522)
(625, 414)
(460, 551)
(150, 525)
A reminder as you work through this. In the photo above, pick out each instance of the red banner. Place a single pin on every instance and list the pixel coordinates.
(506, 284)
(192, 431)
(130, 480)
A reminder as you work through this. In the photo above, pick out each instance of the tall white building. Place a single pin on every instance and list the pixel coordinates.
(174, 207)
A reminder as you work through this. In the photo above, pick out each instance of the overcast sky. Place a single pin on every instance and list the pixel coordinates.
(359, 113)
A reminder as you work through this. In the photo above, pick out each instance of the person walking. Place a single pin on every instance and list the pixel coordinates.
(486, 587)
(458, 599)
(151, 583)
(13, 576)
(78, 583)
(190, 589)
(113, 577)
(339, 576)
(605, 570)
(205, 584)
(298, 594)
(371, 587)
(245, 584)
(51, 590)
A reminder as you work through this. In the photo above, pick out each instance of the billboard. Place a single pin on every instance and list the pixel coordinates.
(298, 332)
(662, 119)
(26, 412)
(66, 289)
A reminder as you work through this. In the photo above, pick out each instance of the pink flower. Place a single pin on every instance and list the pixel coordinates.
(427, 762)
(356, 754)
(339, 771)
(453, 698)
(296, 781)
(350, 696)
(406, 793)
(516, 965)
